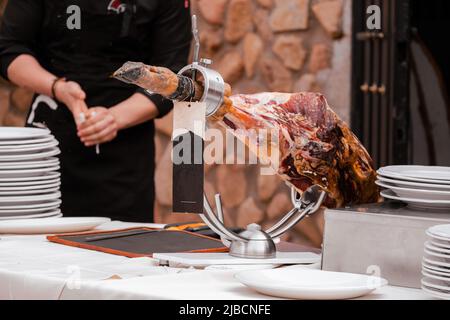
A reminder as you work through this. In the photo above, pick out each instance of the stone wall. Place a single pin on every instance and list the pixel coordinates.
(257, 45)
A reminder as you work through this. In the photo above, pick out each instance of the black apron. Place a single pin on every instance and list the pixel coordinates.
(119, 182)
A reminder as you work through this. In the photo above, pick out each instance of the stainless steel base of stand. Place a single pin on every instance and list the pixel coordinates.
(259, 245)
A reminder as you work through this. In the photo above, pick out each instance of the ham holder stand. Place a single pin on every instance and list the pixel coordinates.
(252, 246)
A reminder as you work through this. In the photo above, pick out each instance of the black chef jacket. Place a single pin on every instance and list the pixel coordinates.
(118, 183)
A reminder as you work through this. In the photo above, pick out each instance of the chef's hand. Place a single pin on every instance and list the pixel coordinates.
(71, 94)
(100, 127)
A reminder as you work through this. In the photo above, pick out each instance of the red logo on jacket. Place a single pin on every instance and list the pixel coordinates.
(117, 6)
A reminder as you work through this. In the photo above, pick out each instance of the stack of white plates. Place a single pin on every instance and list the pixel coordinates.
(421, 187)
(436, 262)
(29, 177)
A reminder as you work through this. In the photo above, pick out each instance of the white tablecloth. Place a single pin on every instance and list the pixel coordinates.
(33, 268)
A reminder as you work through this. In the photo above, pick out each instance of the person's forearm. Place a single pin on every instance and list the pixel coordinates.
(25, 71)
(133, 111)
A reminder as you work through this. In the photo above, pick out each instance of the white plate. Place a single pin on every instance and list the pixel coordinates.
(435, 293)
(50, 225)
(440, 232)
(14, 133)
(417, 193)
(419, 172)
(436, 269)
(433, 275)
(420, 204)
(24, 184)
(436, 284)
(26, 141)
(310, 284)
(437, 262)
(432, 253)
(25, 199)
(45, 214)
(441, 243)
(29, 192)
(27, 148)
(429, 245)
(427, 174)
(16, 212)
(427, 274)
(31, 156)
(14, 174)
(29, 164)
(40, 205)
(415, 185)
(42, 177)
(30, 188)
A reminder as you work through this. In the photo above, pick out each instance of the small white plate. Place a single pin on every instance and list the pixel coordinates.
(27, 148)
(30, 188)
(436, 293)
(440, 243)
(404, 178)
(430, 275)
(38, 205)
(29, 192)
(26, 141)
(310, 284)
(431, 253)
(25, 199)
(50, 225)
(417, 193)
(16, 212)
(45, 214)
(15, 133)
(14, 174)
(31, 156)
(415, 185)
(433, 275)
(20, 165)
(440, 232)
(427, 174)
(429, 245)
(436, 261)
(421, 204)
(25, 184)
(39, 198)
(42, 177)
(435, 269)
(436, 284)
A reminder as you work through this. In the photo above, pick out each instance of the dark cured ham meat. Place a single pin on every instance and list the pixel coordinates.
(314, 145)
